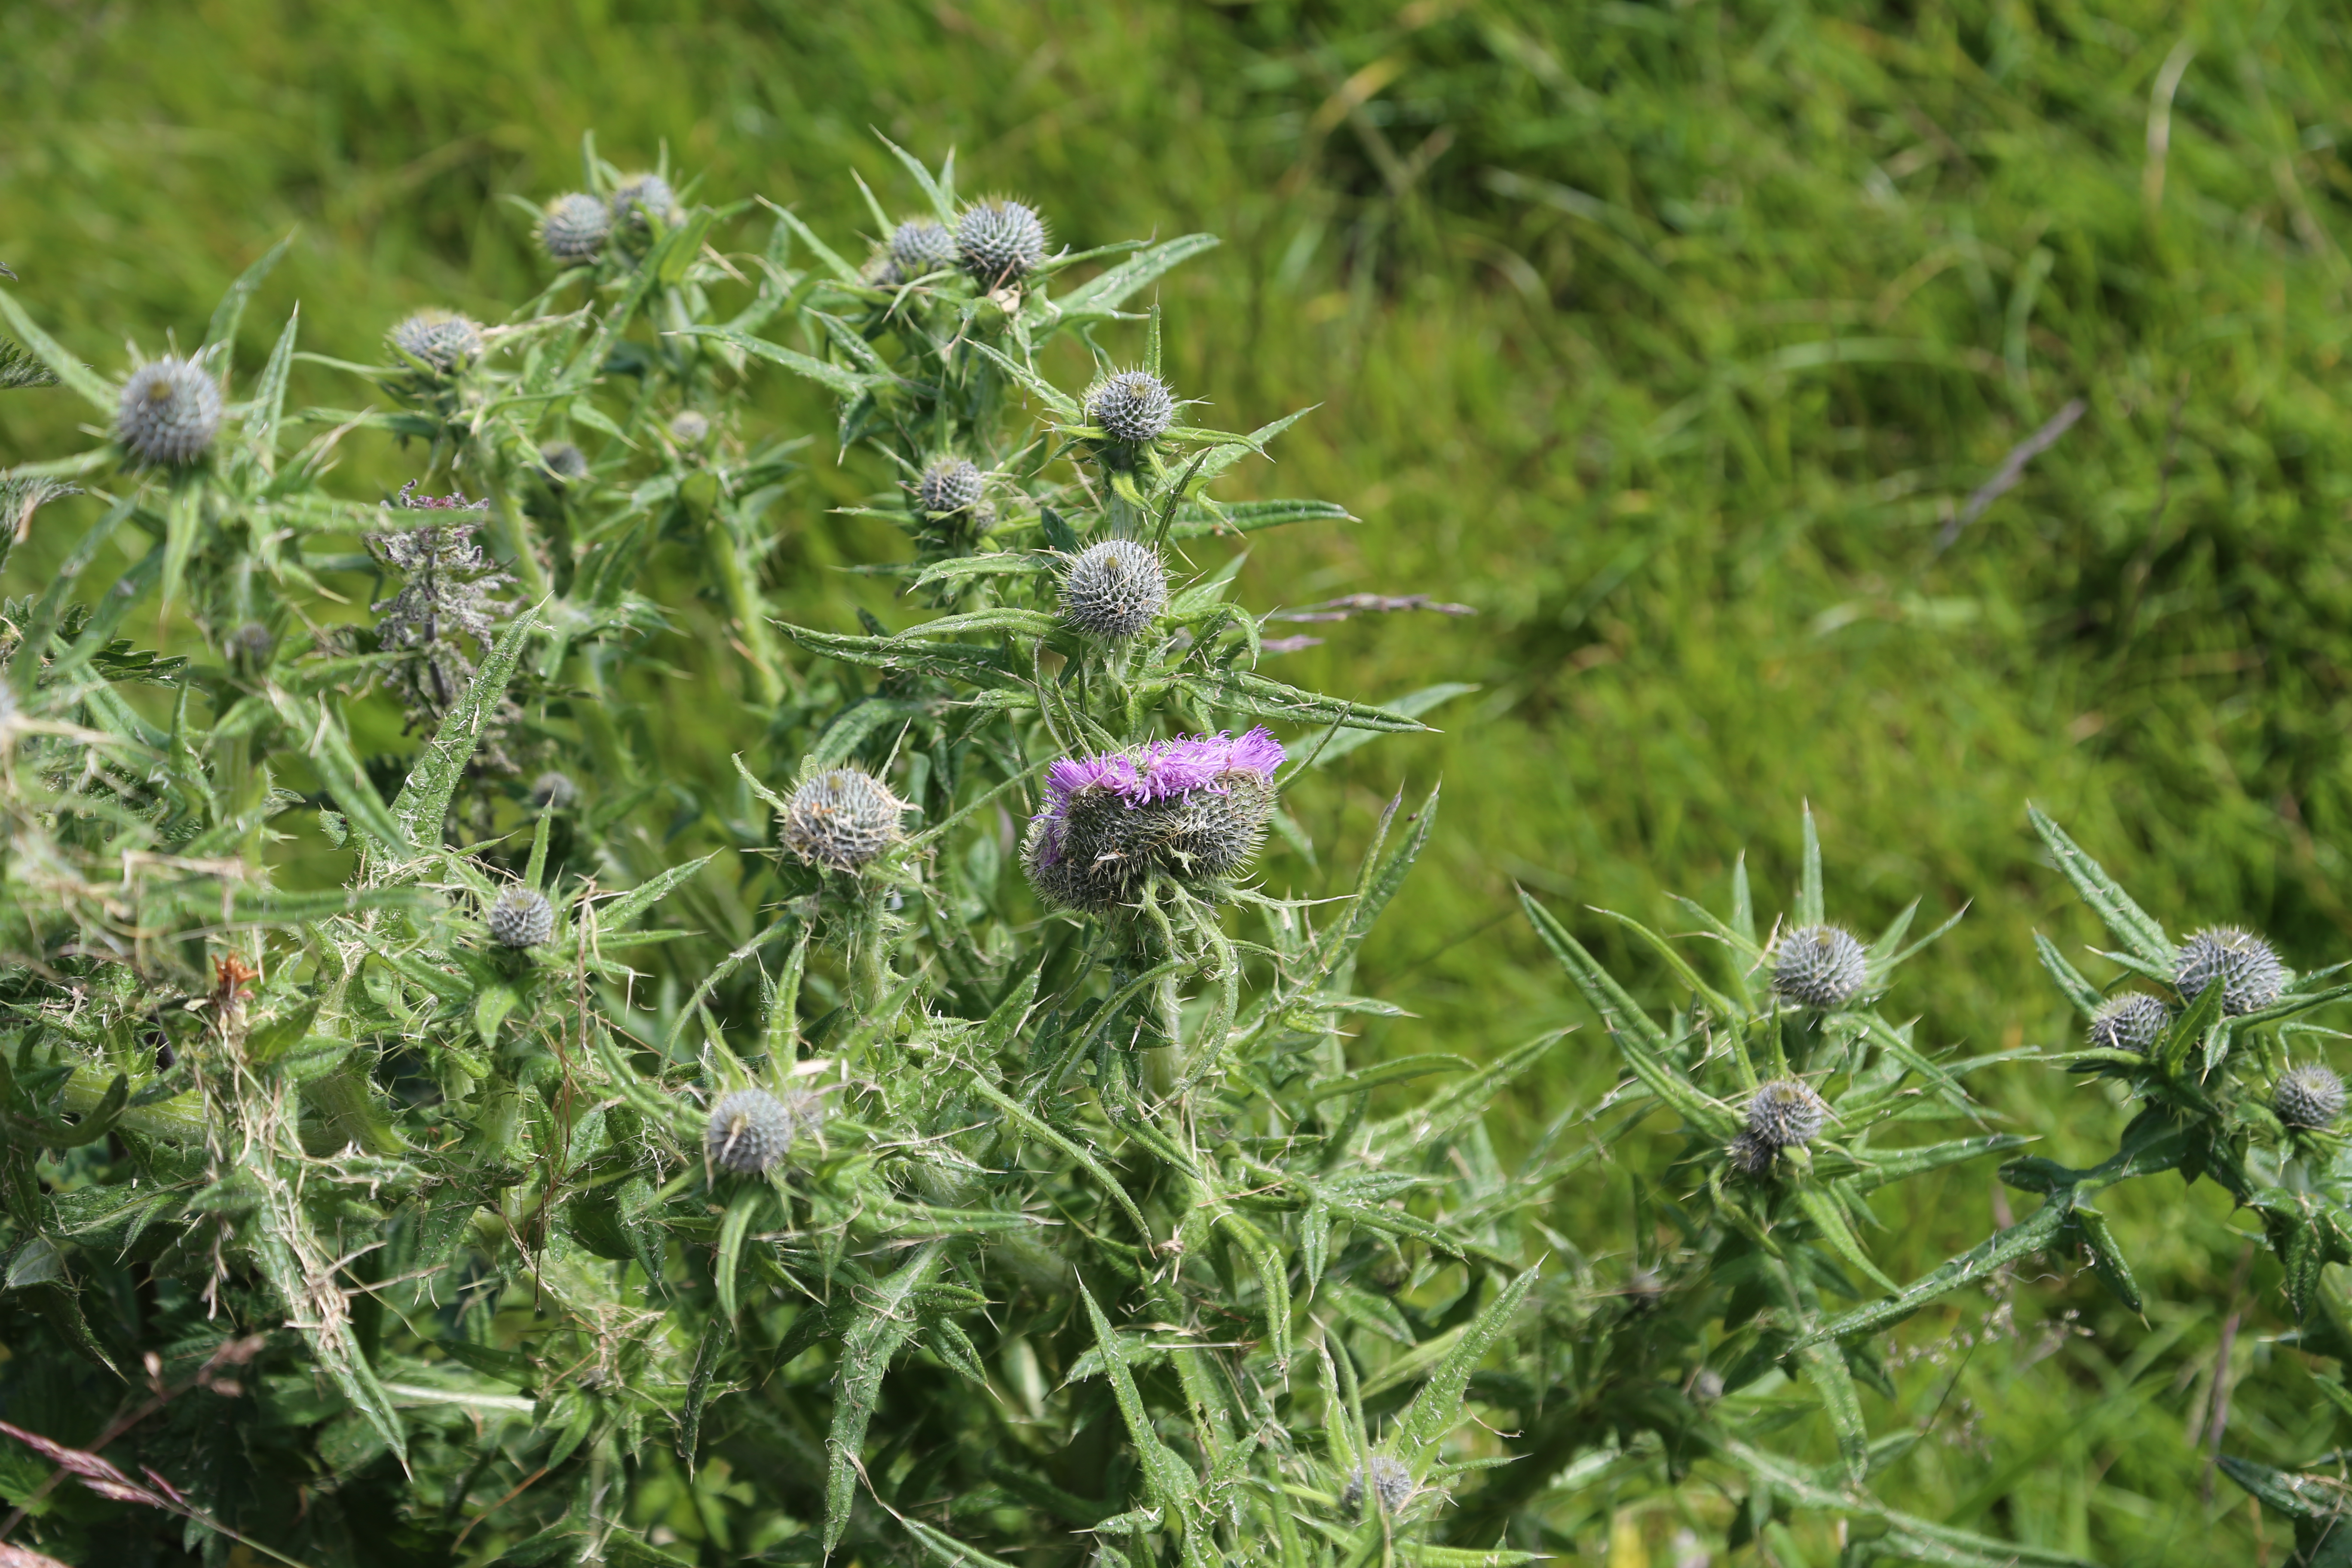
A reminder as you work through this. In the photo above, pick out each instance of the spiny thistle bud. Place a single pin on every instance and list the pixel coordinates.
(1114, 590)
(2308, 1096)
(575, 228)
(2250, 974)
(444, 341)
(750, 1129)
(1750, 1154)
(1819, 967)
(949, 485)
(1786, 1112)
(842, 818)
(1195, 808)
(522, 918)
(999, 241)
(2131, 1022)
(1383, 1477)
(1134, 406)
(642, 198)
(689, 428)
(250, 644)
(552, 791)
(171, 410)
(562, 462)
(920, 245)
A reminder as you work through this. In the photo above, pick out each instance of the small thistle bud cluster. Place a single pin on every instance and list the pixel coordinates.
(444, 341)
(641, 199)
(1114, 590)
(574, 227)
(689, 428)
(1381, 1477)
(171, 411)
(2249, 973)
(1134, 406)
(1821, 967)
(1786, 1112)
(751, 1130)
(521, 919)
(562, 463)
(1194, 809)
(951, 485)
(999, 241)
(919, 246)
(842, 819)
(2132, 1022)
(2309, 1096)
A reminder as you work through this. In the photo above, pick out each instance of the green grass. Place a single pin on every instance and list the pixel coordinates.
(1669, 337)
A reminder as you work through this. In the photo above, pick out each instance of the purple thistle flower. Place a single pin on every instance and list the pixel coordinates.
(1162, 769)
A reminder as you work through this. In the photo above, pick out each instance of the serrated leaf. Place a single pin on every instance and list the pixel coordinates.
(423, 798)
(1436, 1408)
(2132, 925)
(886, 1318)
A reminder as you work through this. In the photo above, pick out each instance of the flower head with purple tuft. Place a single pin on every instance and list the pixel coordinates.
(1195, 807)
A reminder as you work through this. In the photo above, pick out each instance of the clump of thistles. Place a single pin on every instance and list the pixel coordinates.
(170, 413)
(2132, 1022)
(521, 919)
(1133, 405)
(2309, 1096)
(951, 485)
(574, 227)
(999, 241)
(1194, 809)
(1380, 1476)
(842, 819)
(1114, 590)
(1819, 967)
(2249, 973)
(444, 341)
(751, 1130)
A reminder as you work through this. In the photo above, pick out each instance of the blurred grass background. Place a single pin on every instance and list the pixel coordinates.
(1672, 337)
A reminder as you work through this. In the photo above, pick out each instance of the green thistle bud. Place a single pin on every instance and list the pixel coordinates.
(1114, 590)
(1786, 1112)
(999, 241)
(949, 485)
(562, 463)
(2132, 1021)
(842, 818)
(1819, 967)
(444, 341)
(2251, 975)
(170, 413)
(2308, 1097)
(1134, 406)
(574, 228)
(1383, 1477)
(751, 1130)
(521, 919)
(641, 199)
(919, 246)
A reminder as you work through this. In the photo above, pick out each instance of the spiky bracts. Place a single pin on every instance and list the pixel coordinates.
(1131, 406)
(521, 919)
(1786, 1112)
(643, 198)
(2249, 973)
(573, 229)
(951, 485)
(1194, 809)
(919, 246)
(842, 819)
(2310, 1096)
(1821, 967)
(444, 341)
(751, 1130)
(1380, 1476)
(1114, 590)
(170, 413)
(999, 241)
(2132, 1022)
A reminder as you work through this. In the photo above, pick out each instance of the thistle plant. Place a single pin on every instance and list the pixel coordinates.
(619, 1165)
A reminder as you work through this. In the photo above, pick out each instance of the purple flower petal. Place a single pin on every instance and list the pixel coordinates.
(1160, 771)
